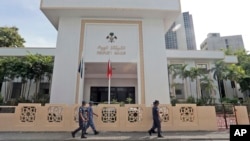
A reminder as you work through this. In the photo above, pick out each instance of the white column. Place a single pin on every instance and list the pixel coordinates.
(63, 90)
(155, 62)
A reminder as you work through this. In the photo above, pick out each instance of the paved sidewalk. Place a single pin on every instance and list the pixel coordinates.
(112, 136)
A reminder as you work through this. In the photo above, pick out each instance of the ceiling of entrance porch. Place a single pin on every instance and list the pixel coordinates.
(118, 69)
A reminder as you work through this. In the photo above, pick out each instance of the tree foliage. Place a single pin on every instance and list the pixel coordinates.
(9, 37)
(243, 65)
(30, 67)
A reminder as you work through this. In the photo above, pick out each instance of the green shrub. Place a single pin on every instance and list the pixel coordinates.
(122, 104)
(230, 100)
(174, 101)
(41, 98)
(1, 99)
(201, 102)
(190, 99)
(129, 100)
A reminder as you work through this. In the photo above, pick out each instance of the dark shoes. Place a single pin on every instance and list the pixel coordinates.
(152, 131)
(96, 132)
(73, 134)
(83, 137)
(149, 132)
(160, 136)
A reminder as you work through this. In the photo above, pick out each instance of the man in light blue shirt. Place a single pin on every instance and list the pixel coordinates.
(90, 118)
(83, 119)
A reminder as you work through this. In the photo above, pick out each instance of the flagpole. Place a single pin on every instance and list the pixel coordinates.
(109, 74)
(109, 91)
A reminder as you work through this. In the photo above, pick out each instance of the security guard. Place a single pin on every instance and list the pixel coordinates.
(90, 117)
(156, 119)
(83, 119)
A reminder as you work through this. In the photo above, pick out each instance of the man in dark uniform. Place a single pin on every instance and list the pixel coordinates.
(156, 119)
(90, 117)
(83, 119)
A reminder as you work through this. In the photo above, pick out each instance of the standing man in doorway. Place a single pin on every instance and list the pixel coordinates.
(90, 117)
(156, 119)
(83, 119)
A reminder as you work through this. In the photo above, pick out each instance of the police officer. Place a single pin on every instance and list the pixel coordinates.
(90, 117)
(156, 119)
(83, 119)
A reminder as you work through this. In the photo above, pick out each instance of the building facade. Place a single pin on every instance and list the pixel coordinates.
(122, 31)
(216, 42)
(131, 37)
(181, 34)
(97, 88)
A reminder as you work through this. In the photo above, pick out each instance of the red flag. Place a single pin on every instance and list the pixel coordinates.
(109, 70)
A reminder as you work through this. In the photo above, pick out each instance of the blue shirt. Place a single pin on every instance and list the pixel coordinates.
(155, 113)
(90, 112)
(84, 112)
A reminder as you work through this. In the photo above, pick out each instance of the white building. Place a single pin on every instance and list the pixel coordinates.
(131, 34)
(216, 42)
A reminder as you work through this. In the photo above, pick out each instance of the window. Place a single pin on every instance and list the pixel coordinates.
(177, 65)
(226, 41)
(44, 88)
(100, 94)
(174, 67)
(214, 35)
(179, 91)
(202, 67)
(16, 90)
(1, 84)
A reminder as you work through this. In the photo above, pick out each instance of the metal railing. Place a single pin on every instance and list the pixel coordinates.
(228, 113)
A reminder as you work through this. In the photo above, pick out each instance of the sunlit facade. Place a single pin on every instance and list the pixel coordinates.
(131, 36)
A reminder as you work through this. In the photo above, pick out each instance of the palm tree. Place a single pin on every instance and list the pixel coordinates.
(183, 74)
(194, 73)
(172, 73)
(209, 86)
(220, 72)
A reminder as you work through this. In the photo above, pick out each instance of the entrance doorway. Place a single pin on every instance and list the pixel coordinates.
(120, 94)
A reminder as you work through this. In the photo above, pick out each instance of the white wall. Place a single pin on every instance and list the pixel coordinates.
(66, 61)
(155, 63)
(123, 49)
(26, 51)
(230, 92)
(128, 4)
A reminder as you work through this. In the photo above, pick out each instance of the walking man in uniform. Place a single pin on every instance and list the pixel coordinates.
(156, 119)
(90, 117)
(83, 119)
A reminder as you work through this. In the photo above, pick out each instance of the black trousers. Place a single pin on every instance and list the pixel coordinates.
(156, 124)
(82, 126)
